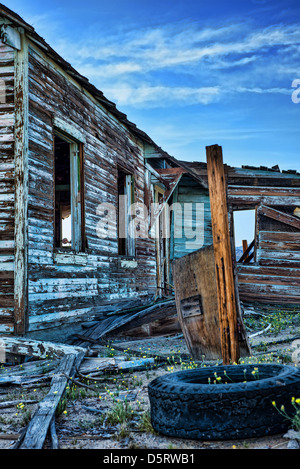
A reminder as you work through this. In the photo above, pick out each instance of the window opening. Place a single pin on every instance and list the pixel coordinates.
(68, 194)
(244, 235)
(126, 241)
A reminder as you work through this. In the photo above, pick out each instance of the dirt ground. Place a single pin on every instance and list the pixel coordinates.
(111, 411)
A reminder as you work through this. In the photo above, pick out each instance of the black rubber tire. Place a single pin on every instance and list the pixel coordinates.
(184, 405)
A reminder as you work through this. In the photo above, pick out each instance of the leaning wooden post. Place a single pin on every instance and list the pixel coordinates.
(223, 258)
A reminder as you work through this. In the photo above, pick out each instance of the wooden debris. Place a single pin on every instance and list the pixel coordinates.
(4, 405)
(161, 315)
(63, 369)
(28, 373)
(53, 434)
(67, 360)
(37, 430)
(95, 366)
(37, 348)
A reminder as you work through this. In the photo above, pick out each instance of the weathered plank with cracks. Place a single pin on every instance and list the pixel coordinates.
(223, 256)
(38, 427)
(36, 348)
(28, 373)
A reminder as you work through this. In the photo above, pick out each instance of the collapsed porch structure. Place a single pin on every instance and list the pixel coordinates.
(67, 153)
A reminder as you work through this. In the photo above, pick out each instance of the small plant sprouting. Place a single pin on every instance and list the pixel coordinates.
(295, 419)
(218, 379)
(120, 413)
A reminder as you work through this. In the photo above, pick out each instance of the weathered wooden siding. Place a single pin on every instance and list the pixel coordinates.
(6, 188)
(191, 226)
(62, 291)
(269, 284)
(275, 276)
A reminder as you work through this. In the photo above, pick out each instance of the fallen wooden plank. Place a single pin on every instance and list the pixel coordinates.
(95, 366)
(36, 348)
(37, 429)
(25, 374)
(5, 405)
(53, 434)
(159, 322)
(9, 436)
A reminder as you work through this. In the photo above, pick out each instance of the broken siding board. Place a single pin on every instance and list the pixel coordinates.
(263, 280)
(251, 200)
(279, 216)
(268, 270)
(263, 191)
(279, 241)
(276, 255)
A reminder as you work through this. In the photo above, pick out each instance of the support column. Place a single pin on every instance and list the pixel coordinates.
(21, 187)
(223, 257)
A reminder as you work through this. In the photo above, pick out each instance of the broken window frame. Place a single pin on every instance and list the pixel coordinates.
(248, 255)
(76, 193)
(125, 227)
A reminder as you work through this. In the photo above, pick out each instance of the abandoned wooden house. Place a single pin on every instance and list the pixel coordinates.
(269, 269)
(68, 155)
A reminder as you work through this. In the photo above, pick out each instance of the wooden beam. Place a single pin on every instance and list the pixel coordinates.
(171, 181)
(279, 216)
(245, 255)
(21, 187)
(223, 258)
(245, 245)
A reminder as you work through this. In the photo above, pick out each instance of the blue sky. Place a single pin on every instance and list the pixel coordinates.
(189, 73)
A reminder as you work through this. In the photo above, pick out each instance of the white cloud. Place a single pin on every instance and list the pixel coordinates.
(152, 96)
(259, 90)
(108, 70)
(149, 66)
(167, 47)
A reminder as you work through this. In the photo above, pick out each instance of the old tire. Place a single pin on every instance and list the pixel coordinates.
(183, 404)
